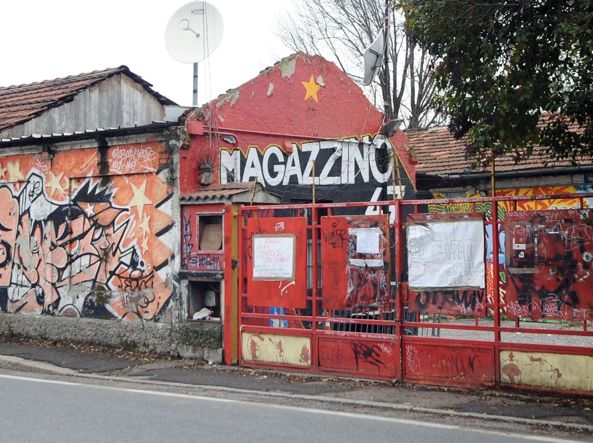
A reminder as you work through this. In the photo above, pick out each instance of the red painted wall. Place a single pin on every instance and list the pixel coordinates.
(192, 258)
(301, 98)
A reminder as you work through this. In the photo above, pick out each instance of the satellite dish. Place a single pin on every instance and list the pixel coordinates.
(193, 32)
(373, 59)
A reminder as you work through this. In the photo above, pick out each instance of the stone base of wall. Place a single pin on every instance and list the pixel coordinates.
(189, 340)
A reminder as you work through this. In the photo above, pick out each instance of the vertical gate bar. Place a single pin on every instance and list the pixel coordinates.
(399, 307)
(241, 264)
(234, 283)
(314, 282)
(315, 258)
(496, 289)
(314, 274)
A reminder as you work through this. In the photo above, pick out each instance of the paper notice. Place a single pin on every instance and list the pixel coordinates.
(367, 240)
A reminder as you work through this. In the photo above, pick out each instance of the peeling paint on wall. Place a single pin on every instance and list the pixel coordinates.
(288, 68)
(230, 97)
(558, 371)
(278, 349)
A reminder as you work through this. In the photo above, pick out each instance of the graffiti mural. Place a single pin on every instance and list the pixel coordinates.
(455, 365)
(343, 169)
(503, 209)
(550, 264)
(192, 258)
(448, 302)
(83, 247)
(375, 358)
(355, 257)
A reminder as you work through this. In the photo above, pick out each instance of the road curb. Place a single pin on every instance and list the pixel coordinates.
(32, 364)
(401, 407)
(380, 405)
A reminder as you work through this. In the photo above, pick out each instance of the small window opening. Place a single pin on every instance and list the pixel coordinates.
(204, 301)
(210, 232)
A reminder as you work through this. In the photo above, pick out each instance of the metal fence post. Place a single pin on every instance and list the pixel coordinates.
(496, 289)
(399, 304)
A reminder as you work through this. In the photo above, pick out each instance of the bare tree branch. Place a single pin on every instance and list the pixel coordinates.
(341, 30)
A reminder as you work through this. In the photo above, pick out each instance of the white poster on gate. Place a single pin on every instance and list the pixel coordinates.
(446, 254)
(273, 257)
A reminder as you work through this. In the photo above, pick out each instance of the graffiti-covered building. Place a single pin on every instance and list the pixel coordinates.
(88, 198)
(300, 131)
(301, 122)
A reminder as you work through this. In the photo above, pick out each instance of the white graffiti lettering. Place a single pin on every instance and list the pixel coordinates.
(329, 162)
(125, 159)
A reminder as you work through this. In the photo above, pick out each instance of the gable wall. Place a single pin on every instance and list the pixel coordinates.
(115, 102)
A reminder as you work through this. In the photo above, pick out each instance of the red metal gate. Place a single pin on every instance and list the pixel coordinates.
(406, 290)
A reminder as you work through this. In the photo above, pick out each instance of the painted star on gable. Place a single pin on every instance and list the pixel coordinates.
(311, 88)
(55, 183)
(139, 199)
(14, 172)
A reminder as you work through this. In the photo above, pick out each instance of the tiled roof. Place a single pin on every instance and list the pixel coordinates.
(439, 153)
(21, 103)
(220, 192)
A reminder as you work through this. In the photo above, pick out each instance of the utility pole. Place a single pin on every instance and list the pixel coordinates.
(387, 110)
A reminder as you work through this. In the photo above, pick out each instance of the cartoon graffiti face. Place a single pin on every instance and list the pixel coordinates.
(34, 188)
(4, 253)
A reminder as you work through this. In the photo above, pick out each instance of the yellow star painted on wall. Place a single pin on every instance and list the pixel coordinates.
(311, 88)
(55, 183)
(139, 199)
(2, 171)
(14, 172)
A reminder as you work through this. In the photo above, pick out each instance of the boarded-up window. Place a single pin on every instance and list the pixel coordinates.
(210, 233)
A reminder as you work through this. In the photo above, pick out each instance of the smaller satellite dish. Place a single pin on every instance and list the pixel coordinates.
(193, 32)
(373, 59)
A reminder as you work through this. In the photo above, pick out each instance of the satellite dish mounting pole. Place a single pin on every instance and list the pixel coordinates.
(192, 33)
(195, 91)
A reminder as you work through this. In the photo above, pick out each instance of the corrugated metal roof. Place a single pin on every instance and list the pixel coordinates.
(35, 138)
(21, 103)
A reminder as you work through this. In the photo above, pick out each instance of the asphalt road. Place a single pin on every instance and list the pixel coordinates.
(47, 410)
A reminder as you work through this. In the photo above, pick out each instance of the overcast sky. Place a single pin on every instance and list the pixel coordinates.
(46, 39)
